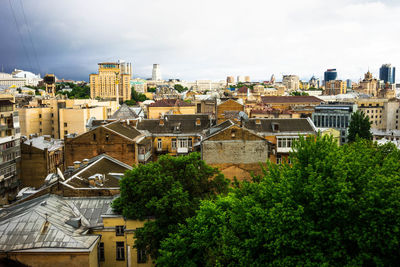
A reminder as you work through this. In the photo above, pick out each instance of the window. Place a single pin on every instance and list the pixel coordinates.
(40, 116)
(278, 159)
(120, 251)
(119, 230)
(141, 256)
(182, 143)
(107, 137)
(65, 124)
(190, 143)
(65, 132)
(159, 144)
(101, 251)
(173, 143)
(94, 137)
(52, 115)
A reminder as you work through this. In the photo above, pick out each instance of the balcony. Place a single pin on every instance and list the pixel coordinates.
(144, 157)
(182, 150)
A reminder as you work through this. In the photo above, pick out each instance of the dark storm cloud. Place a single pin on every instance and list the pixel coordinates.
(201, 39)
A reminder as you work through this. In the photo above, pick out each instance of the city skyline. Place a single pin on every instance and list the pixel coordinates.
(218, 40)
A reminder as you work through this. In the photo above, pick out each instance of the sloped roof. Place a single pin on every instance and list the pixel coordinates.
(219, 127)
(170, 103)
(175, 124)
(124, 113)
(128, 132)
(23, 226)
(285, 125)
(243, 90)
(102, 164)
(41, 143)
(290, 99)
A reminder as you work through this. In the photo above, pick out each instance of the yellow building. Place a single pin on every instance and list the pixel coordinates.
(169, 106)
(330, 131)
(116, 246)
(112, 75)
(57, 117)
(335, 87)
(376, 109)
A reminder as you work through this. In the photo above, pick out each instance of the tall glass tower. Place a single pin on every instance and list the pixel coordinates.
(330, 75)
(387, 73)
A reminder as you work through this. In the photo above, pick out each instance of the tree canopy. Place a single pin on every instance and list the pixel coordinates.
(168, 191)
(78, 91)
(180, 88)
(359, 126)
(334, 206)
(137, 97)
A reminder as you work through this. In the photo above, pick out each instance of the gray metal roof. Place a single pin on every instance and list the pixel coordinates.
(41, 223)
(40, 142)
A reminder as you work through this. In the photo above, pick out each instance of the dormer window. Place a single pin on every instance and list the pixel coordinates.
(198, 122)
(233, 133)
(161, 122)
(275, 127)
(258, 121)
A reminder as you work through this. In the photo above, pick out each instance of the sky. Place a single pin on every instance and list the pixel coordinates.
(207, 39)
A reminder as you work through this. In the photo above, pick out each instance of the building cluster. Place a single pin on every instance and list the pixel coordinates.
(62, 159)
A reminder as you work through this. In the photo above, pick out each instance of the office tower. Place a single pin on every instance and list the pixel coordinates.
(10, 150)
(156, 75)
(112, 75)
(348, 84)
(50, 84)
(330, 75)
(387, 73)
(230, 79)
(241, 79)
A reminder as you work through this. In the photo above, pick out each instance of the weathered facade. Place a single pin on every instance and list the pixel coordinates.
(228, 109)
(114, 139)
(40, 156)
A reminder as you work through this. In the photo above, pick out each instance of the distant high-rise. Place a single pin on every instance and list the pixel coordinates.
(291, 82)
(387, 73)
(240, 79)
(348, 84)
(247, 79)
(330, 75)
(156, 75)
(230, 79)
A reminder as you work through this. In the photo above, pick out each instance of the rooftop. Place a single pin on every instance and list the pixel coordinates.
(285, 125)
(45, 142)
(290, 99)
(170, 103)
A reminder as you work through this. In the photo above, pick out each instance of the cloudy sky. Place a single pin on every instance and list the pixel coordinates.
(207, 39)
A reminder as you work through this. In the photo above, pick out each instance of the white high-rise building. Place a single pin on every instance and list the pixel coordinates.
(156, 76)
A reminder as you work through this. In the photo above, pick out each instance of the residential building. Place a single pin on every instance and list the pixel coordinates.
(115, 139)
(247, 79)
(40, 156)
(228, 109)
(291, 82)
(169, 106)
(334, 115)
(302, 105)
(230, 80)
(110, 76)
(50, 84)
(58, 117)
(335, 87)
(10, 150)
(281, 133)
(175, 134)
(376, 109)
(387, 73)
(156, 74)
(369, 85)
(330, 75)
(235, 150)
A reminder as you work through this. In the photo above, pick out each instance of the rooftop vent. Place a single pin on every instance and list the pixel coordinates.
(85, 161)
(77, 164)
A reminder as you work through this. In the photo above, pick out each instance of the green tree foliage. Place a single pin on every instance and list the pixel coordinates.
(180, 88)
(151, 90)
(335, 206)
(137, 97)
(78, 91)
(359, 126)
(169, 190)
(130, 102)
(297, 93)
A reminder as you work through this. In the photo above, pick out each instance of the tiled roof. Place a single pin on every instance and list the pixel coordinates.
(290, 99)
(170, 103)
(126, 131)
(41, 224)
(175, 124)
(285, 125)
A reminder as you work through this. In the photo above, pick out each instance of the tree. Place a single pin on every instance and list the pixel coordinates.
(168, 190)
(137, 97)
(180, 88)
(151, 90)
(334, 206)
(297, 93)
(359, 126)
(130, 102)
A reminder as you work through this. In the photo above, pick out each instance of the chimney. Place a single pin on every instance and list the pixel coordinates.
(77, 164)
(85, 161)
